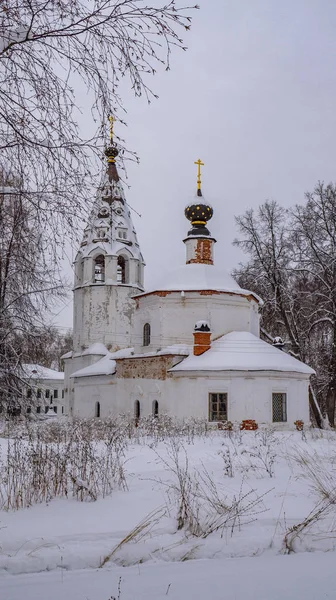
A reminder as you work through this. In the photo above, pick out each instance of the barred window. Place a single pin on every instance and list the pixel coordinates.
(218, 406)
(279, 407)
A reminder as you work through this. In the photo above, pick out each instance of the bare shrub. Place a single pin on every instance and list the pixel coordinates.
(323, 484)
(263, 453)
(202, 507)
(60, 461)
(227, 460)
(139, 532)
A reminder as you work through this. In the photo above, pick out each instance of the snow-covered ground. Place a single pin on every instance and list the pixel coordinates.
(297, 577)
(245, 557)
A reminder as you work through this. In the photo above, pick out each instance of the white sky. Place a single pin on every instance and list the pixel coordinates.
(254, 98)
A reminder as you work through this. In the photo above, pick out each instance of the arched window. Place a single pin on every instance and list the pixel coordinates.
(146, 334)
(122, 270)
(97, 409)
(99, 268)
(137, 410)
(155, 408)
(139, 268)
(79, 270)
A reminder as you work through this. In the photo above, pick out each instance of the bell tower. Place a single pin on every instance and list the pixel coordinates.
(109, 267)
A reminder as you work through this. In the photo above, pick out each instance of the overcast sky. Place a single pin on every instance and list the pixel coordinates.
(255, 98)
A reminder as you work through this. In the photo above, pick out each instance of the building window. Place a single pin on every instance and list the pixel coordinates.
(55, 409)
(47, 393)
(218, 407)
(29, 393)
(146, 334)
(99, 269)
(62, 410)
(137, 410)
(121, 270)
(28, 410)
(55, 394)
(46, 408)
(62, 394)
(38, 410)
(39, 393)
(155, 408)
(139, 273)
(97, 409)
(279, 407)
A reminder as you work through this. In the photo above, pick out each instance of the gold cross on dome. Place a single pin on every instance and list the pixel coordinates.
(111, 119)
(199, 164)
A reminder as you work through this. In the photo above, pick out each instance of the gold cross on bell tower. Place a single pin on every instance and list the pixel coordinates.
(199, 164)
(111, 119)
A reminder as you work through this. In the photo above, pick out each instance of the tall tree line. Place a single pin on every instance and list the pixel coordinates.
(292, 265)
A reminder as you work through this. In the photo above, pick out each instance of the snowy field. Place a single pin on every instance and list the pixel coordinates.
(216, 515)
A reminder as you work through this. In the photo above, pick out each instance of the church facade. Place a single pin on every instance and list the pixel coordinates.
(189, 347)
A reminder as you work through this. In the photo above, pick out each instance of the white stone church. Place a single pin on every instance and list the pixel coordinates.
(188, 347)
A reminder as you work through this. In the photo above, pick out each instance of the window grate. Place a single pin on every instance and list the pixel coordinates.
(279, 407)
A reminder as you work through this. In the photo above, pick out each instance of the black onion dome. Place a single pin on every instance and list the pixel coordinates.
(111, 152)
(199, 213)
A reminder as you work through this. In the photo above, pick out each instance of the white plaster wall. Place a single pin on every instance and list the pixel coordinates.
(172, 318)
(70, 366)
(102, 389)
(249, 397)
(103, 313)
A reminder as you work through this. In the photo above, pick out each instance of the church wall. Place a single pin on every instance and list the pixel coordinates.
(70, 366)
(103, 313)
(90, 390)
(249, 397)
(172, 316)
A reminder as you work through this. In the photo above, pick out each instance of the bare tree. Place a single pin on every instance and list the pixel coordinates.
(291, 291)
(29, 282)
(52, 51)
(266, 237)
(314, 228)
(45, 345)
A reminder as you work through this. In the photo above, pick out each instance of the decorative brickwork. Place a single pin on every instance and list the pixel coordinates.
(148, 367)
(203, 252)
(248, 425)
(201, 342)
(161, 294)
(208, 292)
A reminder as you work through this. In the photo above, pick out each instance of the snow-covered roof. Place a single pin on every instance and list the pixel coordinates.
(107, 364)
(96, 348)
(242, 351)
(104, 366)
(67, 355)
(198, 277)
(33, 371)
